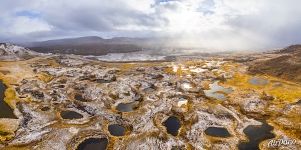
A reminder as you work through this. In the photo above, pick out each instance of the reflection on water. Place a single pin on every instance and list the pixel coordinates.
(93, 144)
(172, 125)
(5, 110)
(116, 130)
(258, 81)
(127, 107)
(70, 115)
(217, 132)
(218, 92)
(256, 134)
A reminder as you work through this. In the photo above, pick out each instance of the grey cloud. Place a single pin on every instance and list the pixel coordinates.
(278, 21)
(230, 24)
(97, 17)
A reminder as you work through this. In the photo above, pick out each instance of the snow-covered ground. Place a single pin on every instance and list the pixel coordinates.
(11, 49)
(14, 52)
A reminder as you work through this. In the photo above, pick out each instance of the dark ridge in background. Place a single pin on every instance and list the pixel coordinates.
(91, 45)
(94, 45)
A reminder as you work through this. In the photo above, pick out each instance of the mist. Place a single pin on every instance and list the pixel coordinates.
(205, 24)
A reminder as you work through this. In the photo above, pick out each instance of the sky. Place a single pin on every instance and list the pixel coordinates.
(212, 24)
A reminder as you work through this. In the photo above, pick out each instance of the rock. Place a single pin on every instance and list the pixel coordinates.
(11, 52)
(254, 105)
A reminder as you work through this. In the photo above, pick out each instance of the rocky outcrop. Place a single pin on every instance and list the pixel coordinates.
(11, 52)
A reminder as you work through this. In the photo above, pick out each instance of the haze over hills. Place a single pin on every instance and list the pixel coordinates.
(94, 45)
(87, 40)
(90, 45)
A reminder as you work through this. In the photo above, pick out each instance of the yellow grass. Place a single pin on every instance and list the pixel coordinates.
(288, 91)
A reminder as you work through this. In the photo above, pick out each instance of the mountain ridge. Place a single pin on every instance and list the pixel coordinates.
(89, 45)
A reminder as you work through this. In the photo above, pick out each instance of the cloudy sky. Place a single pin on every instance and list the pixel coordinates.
(220, 24)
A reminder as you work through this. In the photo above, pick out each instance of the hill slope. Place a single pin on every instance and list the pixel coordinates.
(91, 45)
(286, 66)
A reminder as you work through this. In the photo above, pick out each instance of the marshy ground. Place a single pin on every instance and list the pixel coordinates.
(66, 102)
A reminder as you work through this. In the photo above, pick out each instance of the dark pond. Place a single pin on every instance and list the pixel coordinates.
(70, 115)
(116, 130)
(61, 86)
(5, 110)
(178, 148)
(217, 132)
(93, 144)
(45, 108)
(127, 107)
(256, 134)
(79, 97)
(105, 81)
(172, 125)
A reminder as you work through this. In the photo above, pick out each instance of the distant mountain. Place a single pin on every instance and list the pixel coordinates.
(13, 52)
(90, 45)
(82, 40)
(286, 66)
(93, 45)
